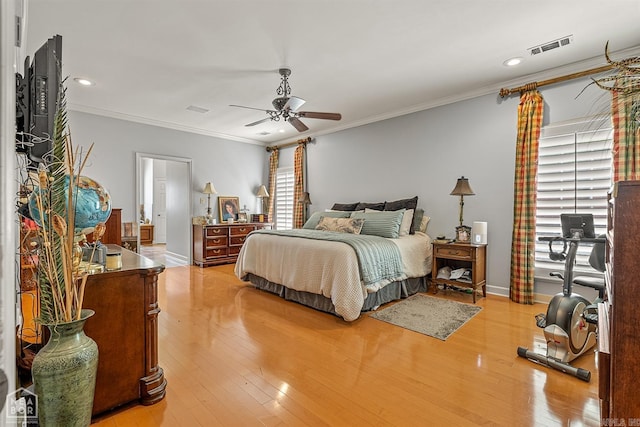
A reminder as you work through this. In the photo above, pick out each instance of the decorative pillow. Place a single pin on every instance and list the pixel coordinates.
(344, 206)
(403, 203)
(417, 218)
(405, 225)
(423, 224)
(375, 206)
(383, 224)
(313, 220)
(342, 225)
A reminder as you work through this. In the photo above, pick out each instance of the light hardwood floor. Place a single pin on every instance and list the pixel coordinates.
(236, 356)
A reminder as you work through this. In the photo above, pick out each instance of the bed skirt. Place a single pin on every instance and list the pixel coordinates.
(391, 292)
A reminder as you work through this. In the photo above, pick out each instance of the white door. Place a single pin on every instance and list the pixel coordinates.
(160, 210)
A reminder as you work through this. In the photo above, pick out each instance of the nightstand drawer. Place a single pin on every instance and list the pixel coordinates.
(454, 252)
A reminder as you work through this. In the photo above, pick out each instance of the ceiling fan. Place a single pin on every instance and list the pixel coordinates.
(286, 106)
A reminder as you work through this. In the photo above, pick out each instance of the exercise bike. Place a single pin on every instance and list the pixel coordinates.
(570, 322)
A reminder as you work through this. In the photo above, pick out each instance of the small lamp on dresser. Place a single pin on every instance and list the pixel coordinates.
(209, 189)
(262, 194)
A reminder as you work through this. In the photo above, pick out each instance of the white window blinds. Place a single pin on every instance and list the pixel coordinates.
(574, 176)
(284, 199)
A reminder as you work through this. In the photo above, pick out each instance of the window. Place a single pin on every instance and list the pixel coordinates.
(574, 176)
(284, 199)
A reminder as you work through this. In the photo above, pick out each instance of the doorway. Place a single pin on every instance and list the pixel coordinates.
(163, 197)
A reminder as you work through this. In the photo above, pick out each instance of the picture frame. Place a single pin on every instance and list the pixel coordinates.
(463, 234)
(228, 208)
(242, 217)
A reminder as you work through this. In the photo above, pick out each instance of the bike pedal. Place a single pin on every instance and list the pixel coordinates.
(591, 318)
(541, 320)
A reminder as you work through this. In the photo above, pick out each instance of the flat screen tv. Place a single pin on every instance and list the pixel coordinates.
(36, 100)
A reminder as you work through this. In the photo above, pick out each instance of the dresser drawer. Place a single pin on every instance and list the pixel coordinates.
(240, 230)
(216, 253)
(217, 242)
(238, 240)
(217, 231)
(454, 252)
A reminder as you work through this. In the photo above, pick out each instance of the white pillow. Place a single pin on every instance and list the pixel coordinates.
(424, 224)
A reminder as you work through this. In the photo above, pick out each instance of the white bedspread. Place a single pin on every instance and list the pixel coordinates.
(324, 267)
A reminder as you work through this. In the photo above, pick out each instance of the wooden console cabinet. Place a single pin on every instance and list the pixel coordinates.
(459, 255)
(618, 333)
(146, 234)
(125, 327)
(220, 244)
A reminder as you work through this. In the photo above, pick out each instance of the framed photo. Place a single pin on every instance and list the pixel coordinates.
(228, 208)
(242, 216)
(463, 234)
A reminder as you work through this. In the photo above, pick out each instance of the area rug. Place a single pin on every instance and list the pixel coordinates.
(436, 317)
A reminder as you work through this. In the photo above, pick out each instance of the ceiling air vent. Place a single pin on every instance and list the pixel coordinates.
(563, 41)
(197, 109)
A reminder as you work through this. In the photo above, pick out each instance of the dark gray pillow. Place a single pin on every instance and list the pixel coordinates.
(375, 206)
(345, 206)
(417, 219)
(404, 204)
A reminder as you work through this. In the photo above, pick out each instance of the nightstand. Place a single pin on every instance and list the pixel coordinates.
(460, 255)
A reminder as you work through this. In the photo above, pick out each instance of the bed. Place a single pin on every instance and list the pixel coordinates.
(335, 270)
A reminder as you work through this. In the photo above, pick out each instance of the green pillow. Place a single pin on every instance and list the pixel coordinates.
(383, 223)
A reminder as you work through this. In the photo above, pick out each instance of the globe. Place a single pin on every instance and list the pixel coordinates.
(92, 201)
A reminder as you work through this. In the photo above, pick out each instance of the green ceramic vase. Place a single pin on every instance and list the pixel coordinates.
(64, 375)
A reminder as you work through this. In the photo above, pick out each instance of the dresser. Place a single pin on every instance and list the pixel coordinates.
(221, 243)
(125, 327)
(618, 332)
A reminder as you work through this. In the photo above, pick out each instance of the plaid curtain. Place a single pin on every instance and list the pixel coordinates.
(625, 111)
(524, 197)
(273, 169)
(298, 186)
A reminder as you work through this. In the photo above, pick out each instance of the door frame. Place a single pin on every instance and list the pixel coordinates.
(140, 156)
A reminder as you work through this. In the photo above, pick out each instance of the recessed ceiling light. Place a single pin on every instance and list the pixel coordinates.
(84, 82)
(512, 62)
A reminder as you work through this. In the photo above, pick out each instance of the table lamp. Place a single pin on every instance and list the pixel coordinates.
(462, 188)
(262, 194)
(209, 190)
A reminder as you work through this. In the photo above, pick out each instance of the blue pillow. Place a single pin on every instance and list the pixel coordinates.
(383, 224)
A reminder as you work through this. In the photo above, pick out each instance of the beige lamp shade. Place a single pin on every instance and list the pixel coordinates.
(462, 188)
(262, 192)
(305, 198)
(209, 189)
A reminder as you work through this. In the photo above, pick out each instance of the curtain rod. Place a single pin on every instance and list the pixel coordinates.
(506, 92)
(288, 144)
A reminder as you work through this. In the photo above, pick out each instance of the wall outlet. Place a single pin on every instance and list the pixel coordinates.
(202, 200)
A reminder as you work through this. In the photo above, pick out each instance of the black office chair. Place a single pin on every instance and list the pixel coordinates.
(596, 260)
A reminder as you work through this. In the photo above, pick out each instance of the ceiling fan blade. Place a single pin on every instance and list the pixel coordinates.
(317, 115)
(301, 127)
(294, 103)
(250, 108)
(259, 121)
